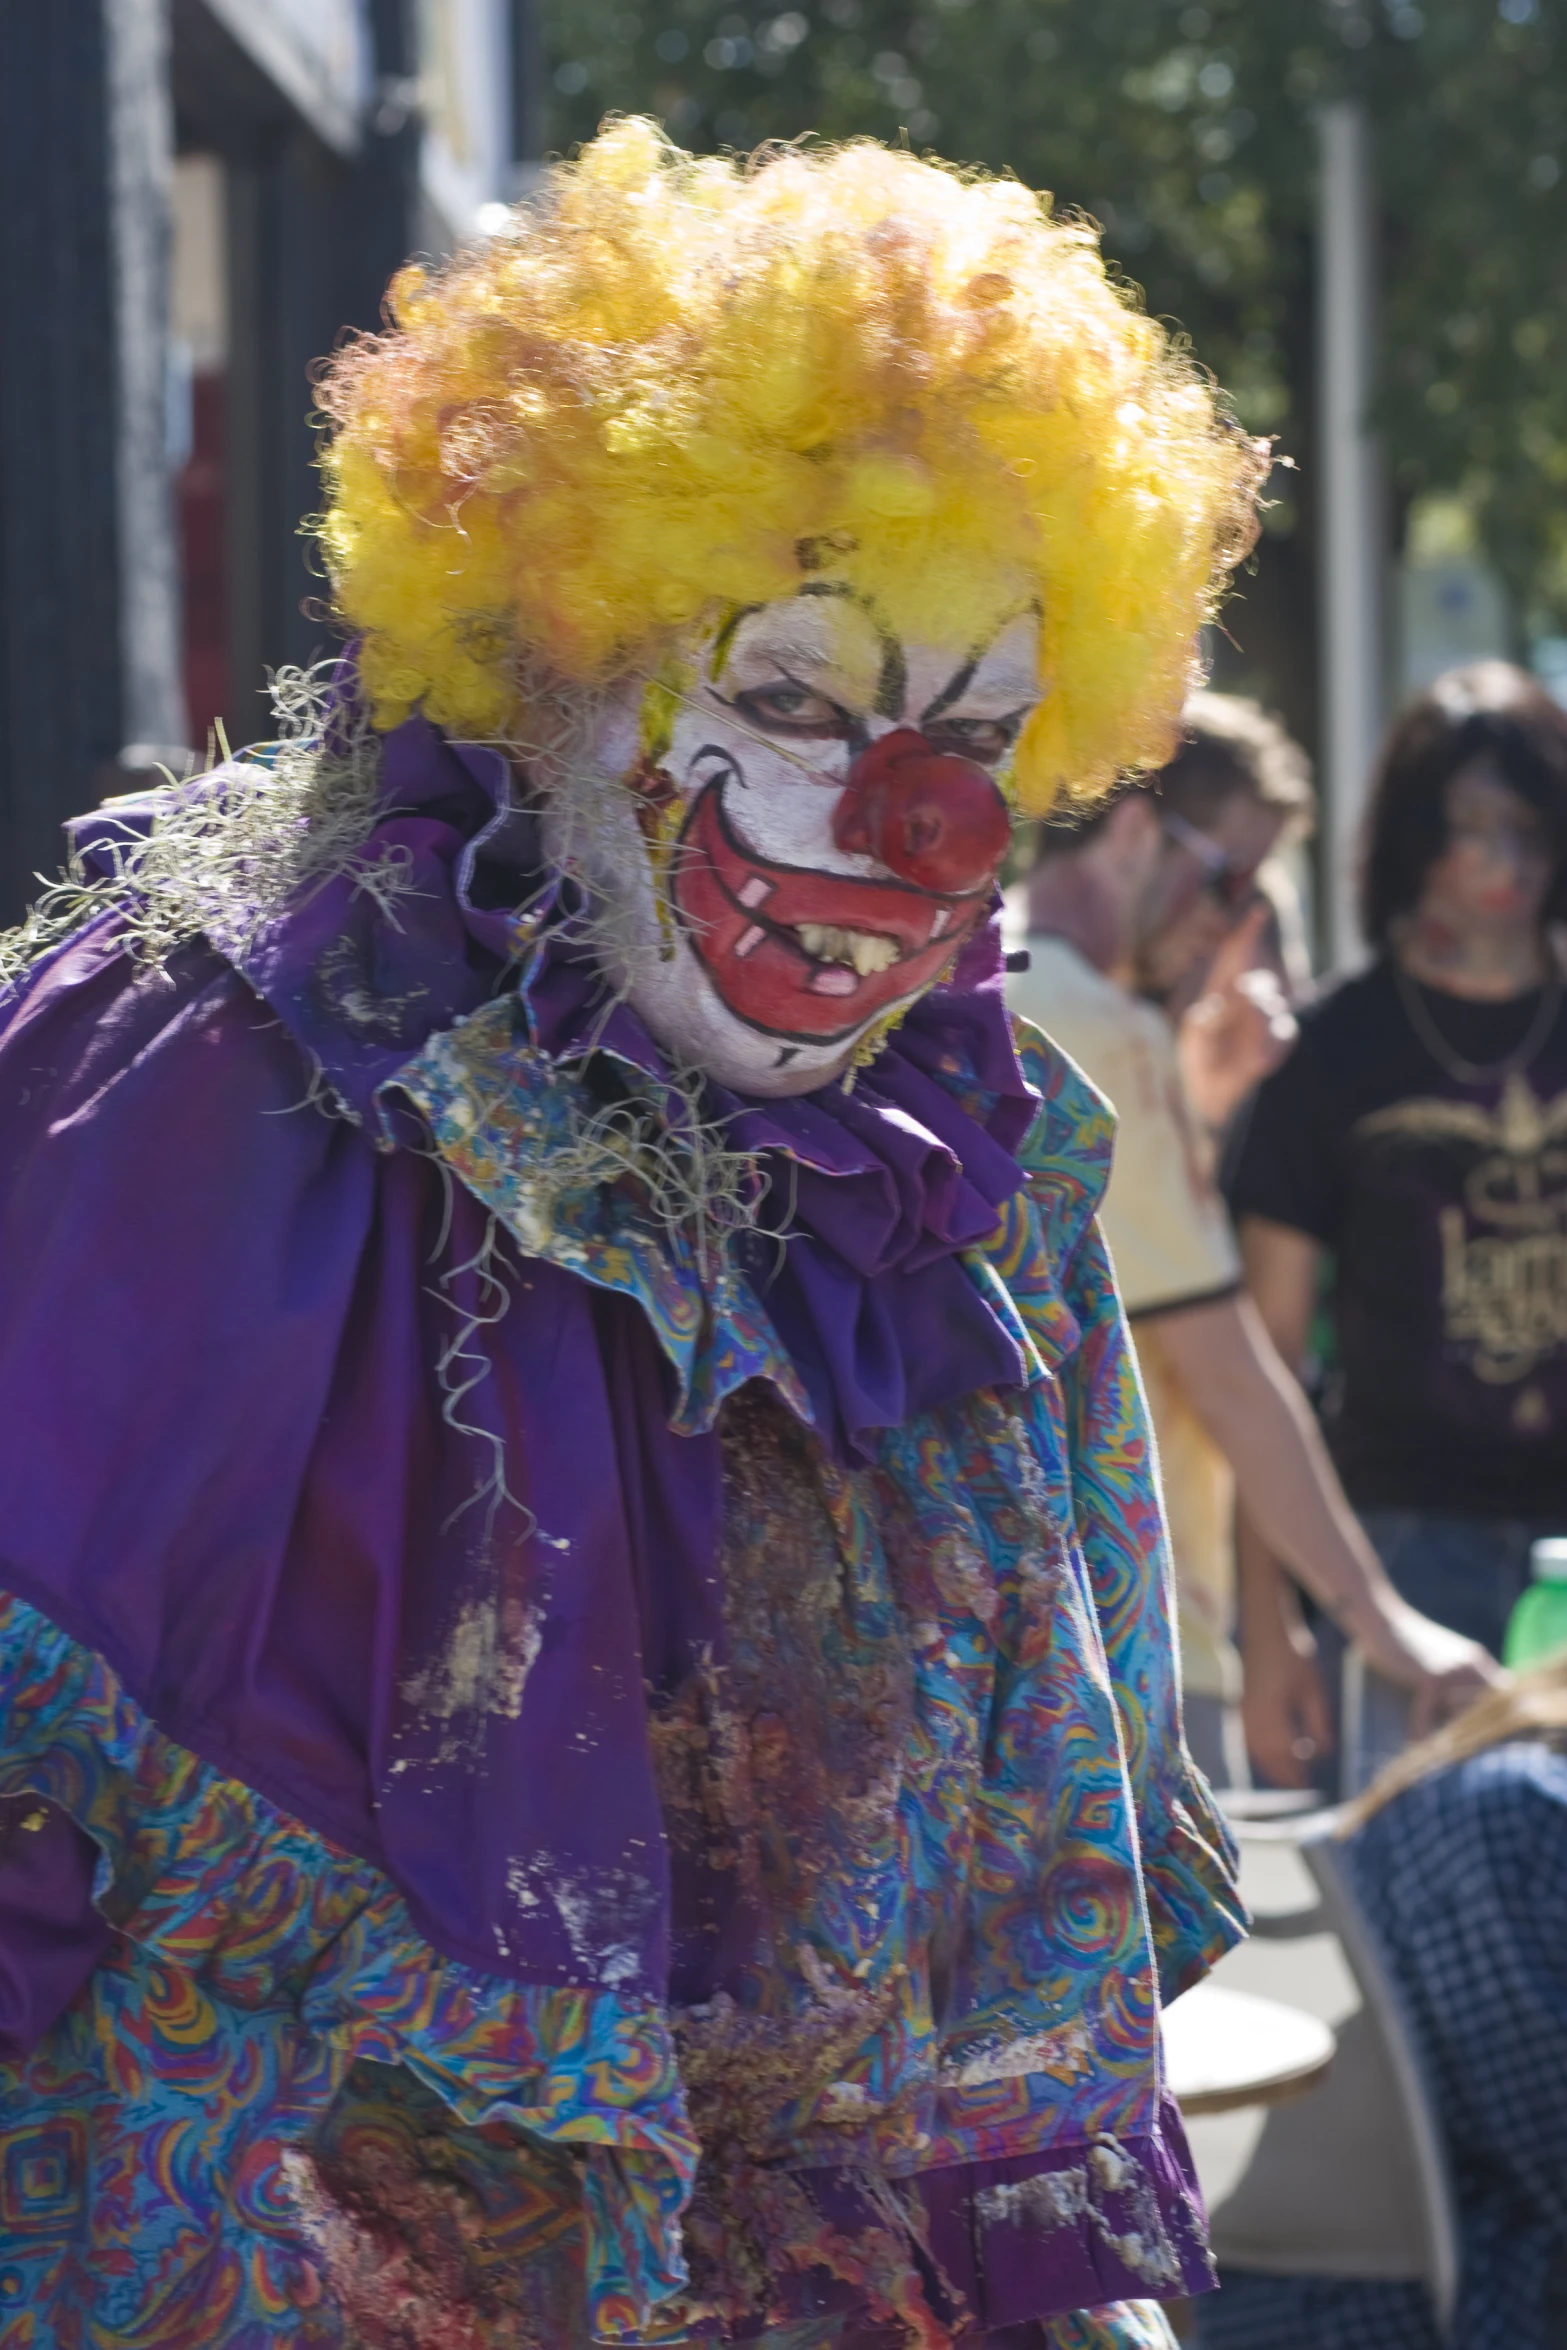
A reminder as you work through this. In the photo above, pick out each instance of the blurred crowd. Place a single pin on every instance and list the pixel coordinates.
(1338, 1213)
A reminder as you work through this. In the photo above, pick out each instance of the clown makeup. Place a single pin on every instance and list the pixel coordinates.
(834, 828)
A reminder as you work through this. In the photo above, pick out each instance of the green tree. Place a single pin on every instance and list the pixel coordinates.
(1186, 131)
(1471, 108)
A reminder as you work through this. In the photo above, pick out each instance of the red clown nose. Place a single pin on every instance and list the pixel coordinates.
(931, 818)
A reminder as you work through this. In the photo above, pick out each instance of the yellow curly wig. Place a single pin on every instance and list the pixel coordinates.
(676, 385)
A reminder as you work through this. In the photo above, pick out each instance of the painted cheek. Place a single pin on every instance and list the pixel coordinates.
(784, 811)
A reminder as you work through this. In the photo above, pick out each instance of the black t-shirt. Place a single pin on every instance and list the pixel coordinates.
(1445, 1203)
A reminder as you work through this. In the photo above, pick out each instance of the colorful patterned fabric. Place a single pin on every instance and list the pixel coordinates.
(507, 1120)
(1134, 2326)
(150, 2149)
(935, 1848)
(501, 1116)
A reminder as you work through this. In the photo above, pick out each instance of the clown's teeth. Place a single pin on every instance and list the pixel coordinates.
(755, 890)
(751, 941)
(870, 950)
(864, 951)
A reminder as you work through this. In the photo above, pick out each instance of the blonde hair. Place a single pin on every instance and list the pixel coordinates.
(677, 386)
(1532, 1705)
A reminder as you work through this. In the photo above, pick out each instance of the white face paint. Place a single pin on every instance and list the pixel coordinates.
(839, 835)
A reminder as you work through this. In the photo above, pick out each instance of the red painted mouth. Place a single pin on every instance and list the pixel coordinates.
(744, 915)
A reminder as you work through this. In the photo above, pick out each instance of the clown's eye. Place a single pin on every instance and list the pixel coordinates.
(792, 709)
(986, 740)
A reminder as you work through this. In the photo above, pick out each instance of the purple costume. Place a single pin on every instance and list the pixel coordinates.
(567, 1773)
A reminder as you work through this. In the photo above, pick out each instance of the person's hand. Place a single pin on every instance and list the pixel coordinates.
(1240, 1027)
(1284, 1706)
(1443, 1671)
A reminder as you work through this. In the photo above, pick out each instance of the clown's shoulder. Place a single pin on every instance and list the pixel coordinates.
(1074, 1106)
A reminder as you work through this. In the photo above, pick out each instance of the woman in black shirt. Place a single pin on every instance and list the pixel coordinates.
(1419, 1132)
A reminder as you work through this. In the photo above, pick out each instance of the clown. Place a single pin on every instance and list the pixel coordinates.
(591, 1751)
(837, 832)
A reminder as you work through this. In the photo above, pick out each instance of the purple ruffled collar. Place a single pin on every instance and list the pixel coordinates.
(874, 1193)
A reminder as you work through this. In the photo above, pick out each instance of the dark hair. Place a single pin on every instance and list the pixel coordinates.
(1487, 710)
(1229, 745)
(1232, 745)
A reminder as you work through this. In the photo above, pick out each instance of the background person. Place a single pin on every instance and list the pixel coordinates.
(1236, 797)
(1101, 909)
(1459, 1854)
(1419, 1132)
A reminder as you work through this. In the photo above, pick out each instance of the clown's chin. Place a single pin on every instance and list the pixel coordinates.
(685, 1013)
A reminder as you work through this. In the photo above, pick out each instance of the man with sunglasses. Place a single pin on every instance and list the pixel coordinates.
(1145, 927)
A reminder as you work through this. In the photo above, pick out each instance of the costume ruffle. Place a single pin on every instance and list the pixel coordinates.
(442, 1574)
(879, 1189)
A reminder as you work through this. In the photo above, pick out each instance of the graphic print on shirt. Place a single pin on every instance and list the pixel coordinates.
(1504, 1249)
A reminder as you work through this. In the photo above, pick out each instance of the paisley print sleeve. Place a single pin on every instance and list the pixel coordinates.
(1058, 1272)
(1189, 1855)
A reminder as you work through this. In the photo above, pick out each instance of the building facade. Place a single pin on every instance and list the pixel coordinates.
(199, 197)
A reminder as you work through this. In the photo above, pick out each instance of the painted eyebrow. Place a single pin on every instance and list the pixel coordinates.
(957, 686)
(953, 691)
(723, 642)
(892, 683)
